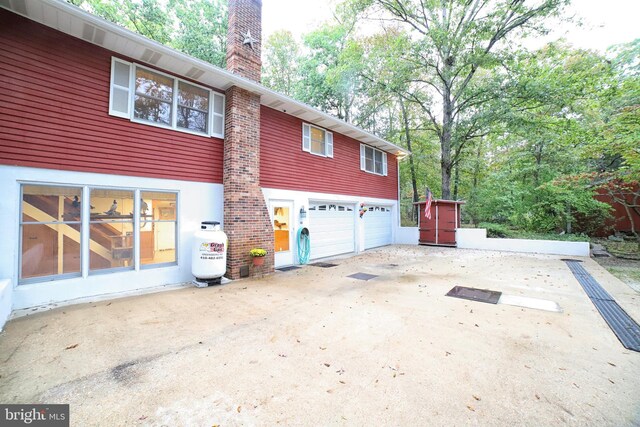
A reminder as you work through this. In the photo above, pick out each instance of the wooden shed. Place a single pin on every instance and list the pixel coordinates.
(440, 230)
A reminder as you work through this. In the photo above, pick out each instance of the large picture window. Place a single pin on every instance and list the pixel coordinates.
(50, 226)
(162, 100)
(127, 229)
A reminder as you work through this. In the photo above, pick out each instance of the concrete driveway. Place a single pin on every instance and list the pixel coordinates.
(312, 346)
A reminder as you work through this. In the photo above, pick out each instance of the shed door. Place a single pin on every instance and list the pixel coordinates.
(331, 229)
(377, 226)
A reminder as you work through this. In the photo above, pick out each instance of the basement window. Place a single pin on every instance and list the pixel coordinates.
(317, 141)
(50, 232)
(117, 229)
(148, 96)
(373, 160)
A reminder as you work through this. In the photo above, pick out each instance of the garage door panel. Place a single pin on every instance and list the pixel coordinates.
(332, 229)
(377, 227)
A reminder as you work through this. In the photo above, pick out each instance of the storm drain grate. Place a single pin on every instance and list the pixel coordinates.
(625, 328)
(473, 294)
(363, 276)
(323, 264)
(291, 267)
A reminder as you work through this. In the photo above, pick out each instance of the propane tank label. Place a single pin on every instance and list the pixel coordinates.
(211, 251)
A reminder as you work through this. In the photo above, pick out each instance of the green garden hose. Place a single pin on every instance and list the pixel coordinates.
(304, 245)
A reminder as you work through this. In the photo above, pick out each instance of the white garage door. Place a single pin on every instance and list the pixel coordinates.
(331, 229)
(377, 226)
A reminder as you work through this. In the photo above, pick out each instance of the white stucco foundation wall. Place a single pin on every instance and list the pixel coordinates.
(197, 202)
(476, 238)
(407, 236)
(303, 198)
(6, 296)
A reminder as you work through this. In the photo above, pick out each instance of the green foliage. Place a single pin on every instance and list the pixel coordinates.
(280, 68)
(561, 203)
(195, 27)
(495, 230)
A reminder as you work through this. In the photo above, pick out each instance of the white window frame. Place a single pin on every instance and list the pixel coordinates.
(363, 163)
(133, 67)
(306, 140)
(85, 221)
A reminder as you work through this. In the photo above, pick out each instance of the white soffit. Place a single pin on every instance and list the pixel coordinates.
(74, 21)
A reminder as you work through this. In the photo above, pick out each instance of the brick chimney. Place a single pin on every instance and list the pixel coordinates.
(246, 217)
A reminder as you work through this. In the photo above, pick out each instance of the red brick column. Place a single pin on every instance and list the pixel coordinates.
(244, 59)
(246, 217)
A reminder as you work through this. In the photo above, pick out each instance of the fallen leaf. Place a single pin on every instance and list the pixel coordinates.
(72, 346)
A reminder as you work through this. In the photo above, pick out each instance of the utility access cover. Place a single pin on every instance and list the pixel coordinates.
(323, 264)
(362, 276)
(473, 294)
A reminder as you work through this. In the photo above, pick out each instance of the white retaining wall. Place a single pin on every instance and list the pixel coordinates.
(6, 292)
(407, 236)
(476, 238)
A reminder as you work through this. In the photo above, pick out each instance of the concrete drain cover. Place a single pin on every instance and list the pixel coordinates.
(324, 264)
(363, 276)
(291, 267)
(473, 294)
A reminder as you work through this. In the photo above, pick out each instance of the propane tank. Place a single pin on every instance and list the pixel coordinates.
(209, 255)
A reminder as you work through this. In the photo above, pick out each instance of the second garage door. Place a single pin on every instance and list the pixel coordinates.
(332, 229)
(377, 227)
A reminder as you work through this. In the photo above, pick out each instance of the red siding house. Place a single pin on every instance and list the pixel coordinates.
(113, 149)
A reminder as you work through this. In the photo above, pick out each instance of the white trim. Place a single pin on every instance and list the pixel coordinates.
(113, 85)
(363, 160)
(306, 137)
(306, 140)
(133, 67)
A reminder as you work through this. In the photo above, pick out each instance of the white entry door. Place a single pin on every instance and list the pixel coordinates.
(282, 214)
(331, 229)
(377, 226)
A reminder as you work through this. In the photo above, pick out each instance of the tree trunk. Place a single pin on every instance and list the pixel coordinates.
(456, 180)
(414, 184)
(445, 142)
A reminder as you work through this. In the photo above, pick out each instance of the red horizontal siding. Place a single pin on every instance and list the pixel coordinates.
(54, 106)
(284, 165)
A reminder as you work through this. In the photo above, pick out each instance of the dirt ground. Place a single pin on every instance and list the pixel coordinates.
(312, 346)
(627, 270)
